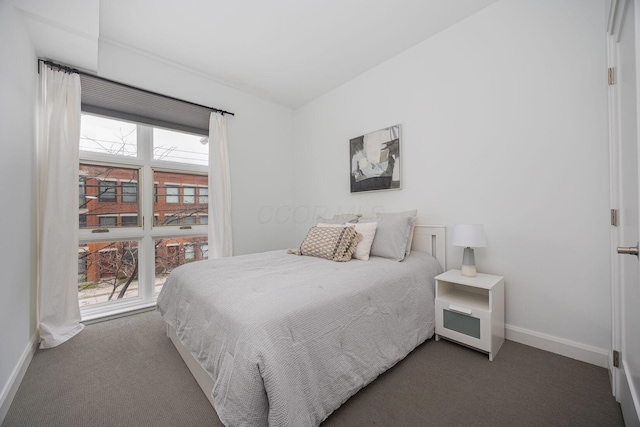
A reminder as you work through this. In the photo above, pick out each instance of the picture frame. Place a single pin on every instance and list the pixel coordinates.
(375, 161)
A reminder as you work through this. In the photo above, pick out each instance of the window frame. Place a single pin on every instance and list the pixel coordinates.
(146, 232)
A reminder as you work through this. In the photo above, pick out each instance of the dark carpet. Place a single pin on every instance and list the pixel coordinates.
(126, 372)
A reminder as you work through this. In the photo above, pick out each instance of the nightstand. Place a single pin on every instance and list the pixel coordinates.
(470, 310)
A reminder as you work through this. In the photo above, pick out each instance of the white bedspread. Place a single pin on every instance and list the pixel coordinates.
(288, 339)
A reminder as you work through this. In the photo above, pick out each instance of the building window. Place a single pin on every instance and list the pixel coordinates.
(189, 253)
(204, 219)
(82, 203)
(189, 219)
(129, 192)
(203, 197)
(189, 195)
(129, 221)
(171, 219)
(108, 221)
(106, 191)
(173, 194)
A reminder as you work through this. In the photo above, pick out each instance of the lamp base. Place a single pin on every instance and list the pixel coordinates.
(468, 263)
(469, 271)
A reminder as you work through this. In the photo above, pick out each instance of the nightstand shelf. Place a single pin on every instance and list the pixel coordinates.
(470, 310)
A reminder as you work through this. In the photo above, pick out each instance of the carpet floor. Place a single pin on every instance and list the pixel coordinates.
(126, 372)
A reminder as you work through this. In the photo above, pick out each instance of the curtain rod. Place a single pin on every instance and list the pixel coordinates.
(76, 71)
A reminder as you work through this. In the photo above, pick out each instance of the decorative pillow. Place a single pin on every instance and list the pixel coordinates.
(392, 236)
(368, 232)
(334, 243)
(351, 250)
(406, 214)
(339, 219)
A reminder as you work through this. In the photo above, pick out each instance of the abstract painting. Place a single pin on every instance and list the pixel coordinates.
(375, 160)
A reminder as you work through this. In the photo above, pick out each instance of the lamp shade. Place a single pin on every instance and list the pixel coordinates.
(469, 236)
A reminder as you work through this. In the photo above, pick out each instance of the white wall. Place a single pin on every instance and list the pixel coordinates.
(18, 84)
(504, 121)
(260, 141)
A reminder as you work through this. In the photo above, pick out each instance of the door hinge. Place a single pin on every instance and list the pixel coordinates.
(616, 359)
(614, 217)
(612, 75)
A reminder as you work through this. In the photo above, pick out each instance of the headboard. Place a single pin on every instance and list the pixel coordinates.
(431, 239)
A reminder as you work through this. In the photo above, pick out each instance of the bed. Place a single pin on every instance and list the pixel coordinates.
(283, 340)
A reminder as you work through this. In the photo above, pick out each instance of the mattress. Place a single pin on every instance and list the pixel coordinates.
(288, 339)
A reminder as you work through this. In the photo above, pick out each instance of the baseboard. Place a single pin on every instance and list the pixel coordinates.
(11, 387)
(585, 353)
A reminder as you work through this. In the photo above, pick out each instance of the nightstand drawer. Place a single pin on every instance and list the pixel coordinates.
(463, 323)
(468, 325)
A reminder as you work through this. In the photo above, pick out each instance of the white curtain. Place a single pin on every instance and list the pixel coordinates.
(58, 138)
(220, 235)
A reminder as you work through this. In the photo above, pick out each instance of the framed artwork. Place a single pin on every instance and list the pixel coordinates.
(375, 161)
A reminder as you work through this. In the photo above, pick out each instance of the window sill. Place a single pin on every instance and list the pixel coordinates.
(109, 311)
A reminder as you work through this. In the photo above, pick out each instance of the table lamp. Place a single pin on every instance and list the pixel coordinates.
(469, 236)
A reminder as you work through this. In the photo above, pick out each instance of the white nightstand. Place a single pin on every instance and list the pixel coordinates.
(470, 310)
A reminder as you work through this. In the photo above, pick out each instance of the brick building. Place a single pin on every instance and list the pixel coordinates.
(109, 198)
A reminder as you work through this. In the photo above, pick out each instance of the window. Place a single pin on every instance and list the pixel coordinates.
(129, 192)
(188, 195)
(203, 198)
(136, 185)
(101, 181)
(189, 253)
(173, 194)
(81, 193)
(204, 219)
(108, 136)
(129, 220)
(189, 219)
(180, 147)
(107, 191)
(166, 208)
(107, 221)
(171, 220)
(101, 269)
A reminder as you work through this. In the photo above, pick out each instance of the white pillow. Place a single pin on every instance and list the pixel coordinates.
(368, 231)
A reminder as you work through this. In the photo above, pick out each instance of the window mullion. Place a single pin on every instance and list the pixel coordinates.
(147, 273)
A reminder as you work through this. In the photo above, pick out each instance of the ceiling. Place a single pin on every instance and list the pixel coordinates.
(286, 51)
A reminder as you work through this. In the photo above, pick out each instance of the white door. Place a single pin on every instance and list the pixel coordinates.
(622, 44)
